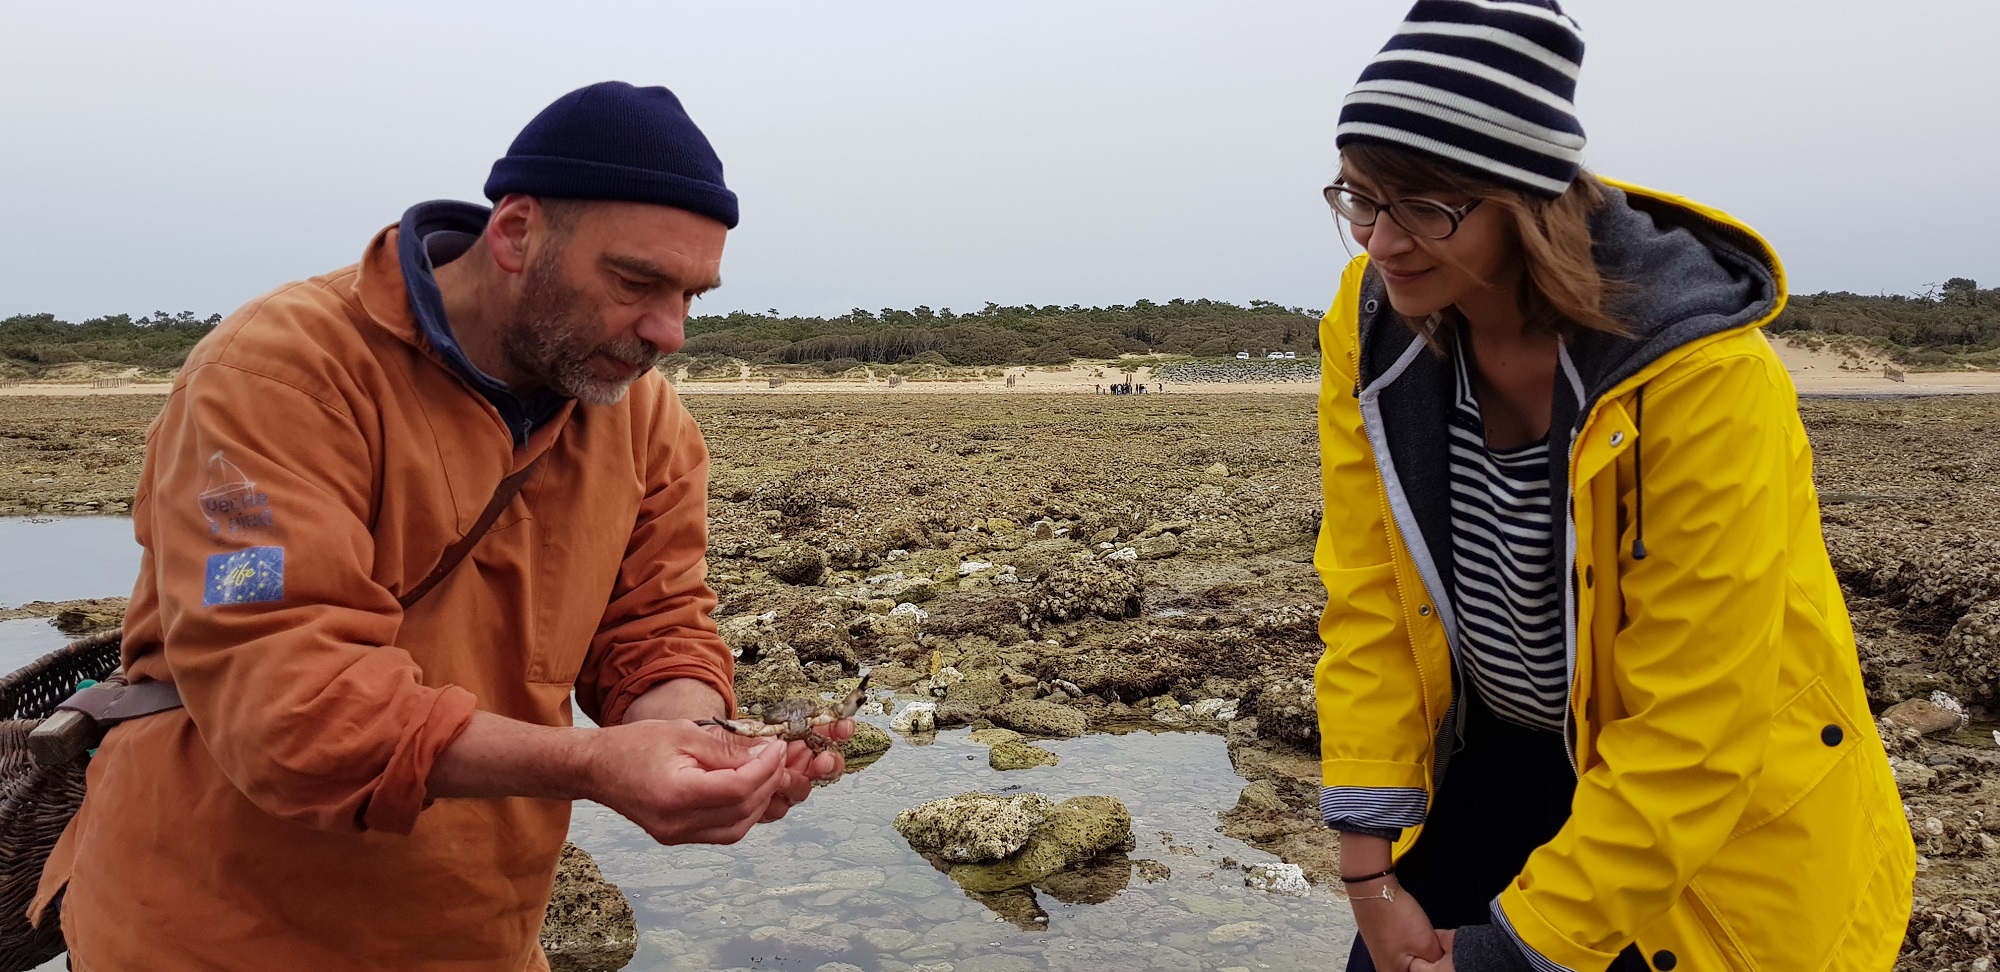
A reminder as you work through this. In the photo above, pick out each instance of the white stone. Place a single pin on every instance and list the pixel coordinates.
(1126, 553)
(1287, 879)
(915, 717)
(909, 608)
(971, 567)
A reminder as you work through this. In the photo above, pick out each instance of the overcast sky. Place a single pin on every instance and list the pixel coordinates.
(193, 155)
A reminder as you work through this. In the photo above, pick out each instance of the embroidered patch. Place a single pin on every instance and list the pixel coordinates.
(245, 577)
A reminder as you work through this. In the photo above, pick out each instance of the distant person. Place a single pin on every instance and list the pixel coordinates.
(1590, 696)
(357, 785)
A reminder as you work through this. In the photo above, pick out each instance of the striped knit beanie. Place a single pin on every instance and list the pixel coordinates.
(1488, 84)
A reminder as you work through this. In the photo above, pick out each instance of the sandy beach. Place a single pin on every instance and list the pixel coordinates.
(1816, 372)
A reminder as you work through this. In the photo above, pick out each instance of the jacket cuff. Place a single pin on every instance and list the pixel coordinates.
(403, 790)
(622, 695)
(1364, 808)
(1390, 834)
(1547, 948)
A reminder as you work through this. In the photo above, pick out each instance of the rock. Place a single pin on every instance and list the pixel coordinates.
(798, 564)
(1288, 710)
(776, 676)
(1219, 471)
(979, 691)
(1093, 882)
(996, 525)
(1926, 716)
(1015, 755)
(895, 627)
(952, 712)
(1045, 529)
(915, 717)
(1158, 548)
(916, 590)
(1215, 710)
(589, 925)
(1123, 555)
(1261, 795)
(866, 742)
(1153, 872)
(1972, 649)
(894, 676)
(1238, 931)
(1039, 717)
(1084, 589)
(1074, 831)
(1910, 774)
(974, 827)
(971, 567)
(1171, 526)
(993, 736)
(944, 678)
(1106, 534)
(1286, 879)
(790, 941)
(89, 617)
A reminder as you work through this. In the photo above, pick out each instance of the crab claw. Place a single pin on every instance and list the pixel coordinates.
(733, 726)
(852, 703)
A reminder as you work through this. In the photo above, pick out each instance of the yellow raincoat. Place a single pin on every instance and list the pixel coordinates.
(1734, 807)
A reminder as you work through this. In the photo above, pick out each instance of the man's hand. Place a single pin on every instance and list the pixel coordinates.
(686, 698)
(683, 785)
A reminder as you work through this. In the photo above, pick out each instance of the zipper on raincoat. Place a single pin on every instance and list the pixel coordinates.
(1406, 524)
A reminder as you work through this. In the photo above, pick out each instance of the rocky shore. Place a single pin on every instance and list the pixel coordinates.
(1051, 567)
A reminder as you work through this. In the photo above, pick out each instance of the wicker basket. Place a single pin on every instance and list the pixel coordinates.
(37, 802)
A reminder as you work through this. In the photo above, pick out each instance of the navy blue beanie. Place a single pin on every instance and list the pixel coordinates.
(1488, 84)
(614, 141)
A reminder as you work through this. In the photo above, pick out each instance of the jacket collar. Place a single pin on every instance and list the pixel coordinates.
(399, 291)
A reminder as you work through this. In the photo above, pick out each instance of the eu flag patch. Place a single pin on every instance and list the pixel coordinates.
(245, 576)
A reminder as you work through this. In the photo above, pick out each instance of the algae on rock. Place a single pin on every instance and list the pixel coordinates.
(589, 925)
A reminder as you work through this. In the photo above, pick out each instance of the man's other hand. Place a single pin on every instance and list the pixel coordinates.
(683, 785)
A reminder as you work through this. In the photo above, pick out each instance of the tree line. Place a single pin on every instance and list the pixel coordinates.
(1952, 323)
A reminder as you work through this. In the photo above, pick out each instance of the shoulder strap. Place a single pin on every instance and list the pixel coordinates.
(509, 488)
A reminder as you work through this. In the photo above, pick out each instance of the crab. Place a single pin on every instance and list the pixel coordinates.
(795, 718)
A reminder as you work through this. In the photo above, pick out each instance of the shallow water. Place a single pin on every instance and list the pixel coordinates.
(66, 558)
(27, 639)
(834, 882)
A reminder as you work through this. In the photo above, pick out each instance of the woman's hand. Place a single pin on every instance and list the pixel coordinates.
(1392, 923)
(1441, 965)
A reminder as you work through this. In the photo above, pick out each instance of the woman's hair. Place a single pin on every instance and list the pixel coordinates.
(1562, 291)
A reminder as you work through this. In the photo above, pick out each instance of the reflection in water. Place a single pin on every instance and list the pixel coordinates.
(66, 558)
(834, 882)
(27, 639)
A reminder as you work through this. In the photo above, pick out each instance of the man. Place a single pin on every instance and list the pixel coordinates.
(356, 785)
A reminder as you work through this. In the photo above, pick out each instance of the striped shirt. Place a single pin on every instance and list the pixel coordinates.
(1506, 589)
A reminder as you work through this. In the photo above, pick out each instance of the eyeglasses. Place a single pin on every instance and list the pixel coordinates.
(1423, 218)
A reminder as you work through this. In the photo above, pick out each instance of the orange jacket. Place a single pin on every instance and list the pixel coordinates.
(315, 459)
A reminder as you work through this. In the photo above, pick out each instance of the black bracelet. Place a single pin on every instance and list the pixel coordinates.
(1367, 877)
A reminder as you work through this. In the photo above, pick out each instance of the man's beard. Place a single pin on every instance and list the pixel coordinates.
(550, 339)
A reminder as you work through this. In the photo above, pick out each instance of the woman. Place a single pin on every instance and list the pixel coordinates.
(1590, 697)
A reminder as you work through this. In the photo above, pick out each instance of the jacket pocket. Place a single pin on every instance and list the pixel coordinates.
(1783, 891)
(1809, 735)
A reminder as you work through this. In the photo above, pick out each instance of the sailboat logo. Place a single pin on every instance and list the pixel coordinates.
(231, 500)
